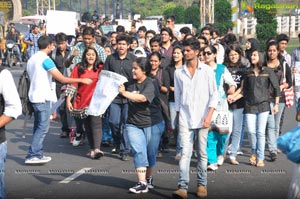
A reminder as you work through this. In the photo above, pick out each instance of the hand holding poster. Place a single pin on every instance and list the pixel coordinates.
(107, 89)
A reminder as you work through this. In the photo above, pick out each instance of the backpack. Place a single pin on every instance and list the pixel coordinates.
(23, 90)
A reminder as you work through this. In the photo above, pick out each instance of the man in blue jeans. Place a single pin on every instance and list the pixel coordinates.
(120, 62)
(40, 69)
(194, 105)
(10, 108)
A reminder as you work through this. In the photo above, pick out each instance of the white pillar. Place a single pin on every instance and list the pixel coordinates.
(235, 14)
(292, 26)
(246, 25)
(278, 30)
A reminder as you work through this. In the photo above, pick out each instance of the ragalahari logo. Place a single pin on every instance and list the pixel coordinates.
(246, 9)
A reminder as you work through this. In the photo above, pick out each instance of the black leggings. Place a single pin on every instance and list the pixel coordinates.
(92, 126)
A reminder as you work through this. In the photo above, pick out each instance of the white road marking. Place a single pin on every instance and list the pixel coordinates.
(75, 175)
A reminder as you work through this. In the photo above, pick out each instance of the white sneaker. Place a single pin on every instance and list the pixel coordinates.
(36, 160)
(239, 152)
(212, 167)
(77, 140)
(220, 160)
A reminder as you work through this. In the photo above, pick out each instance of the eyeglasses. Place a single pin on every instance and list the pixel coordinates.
(207, 53)
(205, 33)
(168, 21)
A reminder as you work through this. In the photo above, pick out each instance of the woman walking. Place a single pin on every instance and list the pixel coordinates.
(91, 125)
(145, 123)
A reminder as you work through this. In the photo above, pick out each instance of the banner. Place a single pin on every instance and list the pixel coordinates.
(107, 89)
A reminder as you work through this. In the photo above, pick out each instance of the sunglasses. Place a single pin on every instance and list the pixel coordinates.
(207, 53)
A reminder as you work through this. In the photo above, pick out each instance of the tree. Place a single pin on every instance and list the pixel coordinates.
(222, 15)
(177, 11)
(192, 16)
(266, 22)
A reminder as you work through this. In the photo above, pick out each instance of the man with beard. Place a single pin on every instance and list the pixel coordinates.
(120, 62)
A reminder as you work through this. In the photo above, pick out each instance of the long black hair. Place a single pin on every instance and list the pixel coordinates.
(84, 64)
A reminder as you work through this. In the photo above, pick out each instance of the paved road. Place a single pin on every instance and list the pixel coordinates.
(71, 174)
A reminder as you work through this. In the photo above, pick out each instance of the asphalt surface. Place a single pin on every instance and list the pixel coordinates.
(71, 174)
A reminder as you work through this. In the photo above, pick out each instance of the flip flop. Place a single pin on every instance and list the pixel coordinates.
(98, 154)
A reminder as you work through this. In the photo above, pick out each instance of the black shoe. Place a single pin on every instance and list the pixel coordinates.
(150, 182)
(139, 188)
(273, 156)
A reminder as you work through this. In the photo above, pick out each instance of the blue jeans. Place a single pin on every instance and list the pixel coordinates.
(40, 128)
(273, 127)
(174, 125)
(144, 143)
(107, 136)
(16, 50)
(3, 152)
(187, 137)
(117, 118)
(256, 125)
(237, 129)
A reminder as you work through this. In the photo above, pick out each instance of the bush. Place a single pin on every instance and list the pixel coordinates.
(266, 22)
(222, 15)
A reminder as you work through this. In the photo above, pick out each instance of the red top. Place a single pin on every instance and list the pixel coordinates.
(84, 91)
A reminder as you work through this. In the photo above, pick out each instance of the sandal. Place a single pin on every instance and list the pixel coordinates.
(98, 154)
(89, 153)
(253, 159)
(260, 163)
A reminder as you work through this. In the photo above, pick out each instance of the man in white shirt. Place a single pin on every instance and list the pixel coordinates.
(41, 68)
(194, 105)
(10, 109)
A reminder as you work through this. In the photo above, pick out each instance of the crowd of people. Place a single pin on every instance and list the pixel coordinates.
(201, 88)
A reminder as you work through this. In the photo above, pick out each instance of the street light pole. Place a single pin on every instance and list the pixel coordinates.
(118, 9)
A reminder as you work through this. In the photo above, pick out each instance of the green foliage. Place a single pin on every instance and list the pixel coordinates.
(168, 6)
(266, 22)
(222, 15)
(223, 27)
(146, 7)
(264, 32)
(192, 16)
(177, 11)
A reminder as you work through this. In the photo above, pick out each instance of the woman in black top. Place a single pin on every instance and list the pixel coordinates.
(276, 62)
(145, 123)
(233, 61)
(255, 86)
(162, 76)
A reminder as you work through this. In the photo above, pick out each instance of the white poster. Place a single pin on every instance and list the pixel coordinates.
(149, 24)
(107, 89)
(179, 26)
(61, 21)
(126, 23)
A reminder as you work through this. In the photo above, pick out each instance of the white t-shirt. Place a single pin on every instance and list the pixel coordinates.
(38, 68)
